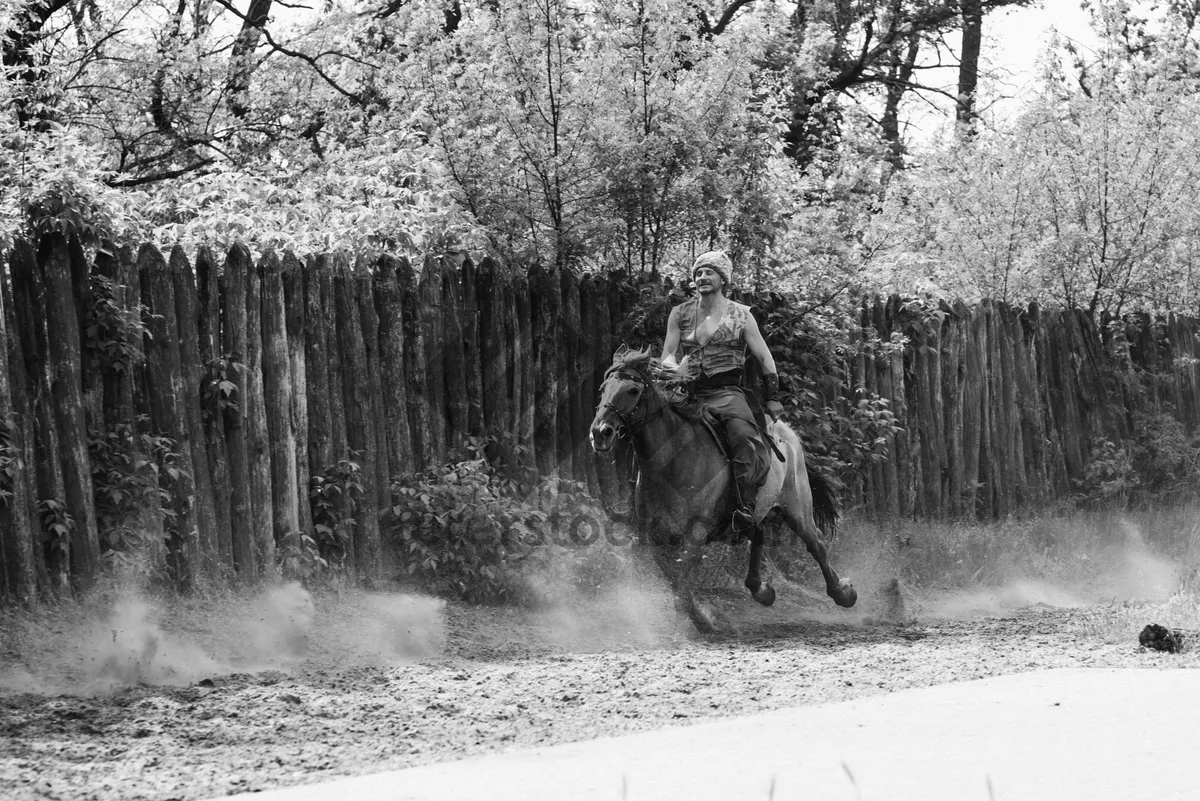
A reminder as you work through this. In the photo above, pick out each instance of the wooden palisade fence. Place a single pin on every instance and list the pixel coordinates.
(265, 374)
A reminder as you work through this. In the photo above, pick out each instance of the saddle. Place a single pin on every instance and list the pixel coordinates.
(687, 404)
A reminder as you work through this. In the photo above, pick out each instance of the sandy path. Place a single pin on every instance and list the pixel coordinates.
(504, 679)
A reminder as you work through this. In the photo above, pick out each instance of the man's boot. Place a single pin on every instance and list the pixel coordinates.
(743, 515)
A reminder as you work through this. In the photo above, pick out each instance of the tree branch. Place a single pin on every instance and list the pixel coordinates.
(354, 97)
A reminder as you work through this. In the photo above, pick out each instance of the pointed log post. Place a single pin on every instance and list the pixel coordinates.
(602, 336)
(258, 438)
(294, 302)
(494, 347)
(238, 265)
(568, 374)
(471, 347)
(360, 430)
(168, 414)
(284, 488)
(119, 266)
(18, 536)
(212, 359)
(523, 405)
(376, 443)
(40, 431)
(62, 326)
(338, 274)
(420, 413)
(187, 312)
(398, 437)
(546, 293)
(454, 360)
(430, 292)
(316, 365)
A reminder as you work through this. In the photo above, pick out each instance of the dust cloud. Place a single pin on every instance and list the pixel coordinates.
(632, 608)
(1117, 565)
(131, 640)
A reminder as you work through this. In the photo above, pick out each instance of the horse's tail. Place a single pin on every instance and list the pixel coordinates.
(825, 507)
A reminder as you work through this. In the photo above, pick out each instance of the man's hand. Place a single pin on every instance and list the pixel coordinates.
(771, 395)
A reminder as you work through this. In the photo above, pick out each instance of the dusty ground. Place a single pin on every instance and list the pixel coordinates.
(246, 695)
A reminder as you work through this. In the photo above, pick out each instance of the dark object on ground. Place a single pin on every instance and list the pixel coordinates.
(1161, 638)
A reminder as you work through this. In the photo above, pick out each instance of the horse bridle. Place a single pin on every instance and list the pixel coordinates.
(629, 425)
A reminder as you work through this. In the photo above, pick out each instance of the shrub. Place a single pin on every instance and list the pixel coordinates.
(456, 534)
(333, 496)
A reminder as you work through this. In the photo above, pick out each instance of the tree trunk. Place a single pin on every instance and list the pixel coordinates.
(968, 70)
(241, 58)
(899, 76)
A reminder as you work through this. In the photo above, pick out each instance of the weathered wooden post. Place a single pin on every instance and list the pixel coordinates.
(390, 303)
(454, 357)
(278, 385)
(258, 447)
(187, 313)
(216, 370)
(360, 430)
(430, 310)
(18, 535)
(295, 317)
(55, 259)
(419, 403)
(238, 266)
(168, 412)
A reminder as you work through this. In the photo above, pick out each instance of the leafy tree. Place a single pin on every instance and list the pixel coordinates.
(1085, 200)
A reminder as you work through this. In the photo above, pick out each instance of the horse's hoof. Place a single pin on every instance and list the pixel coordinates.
(845, 595)
(765, 596)
(704, 620)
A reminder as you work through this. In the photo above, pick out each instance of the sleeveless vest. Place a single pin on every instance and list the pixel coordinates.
(725, 350)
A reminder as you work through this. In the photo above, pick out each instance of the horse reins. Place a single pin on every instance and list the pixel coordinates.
(630, 426)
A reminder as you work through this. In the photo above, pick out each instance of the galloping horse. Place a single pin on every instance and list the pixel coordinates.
(684, 482)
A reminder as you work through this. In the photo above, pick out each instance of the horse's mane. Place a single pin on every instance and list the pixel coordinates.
(639, 360)
(663, 380)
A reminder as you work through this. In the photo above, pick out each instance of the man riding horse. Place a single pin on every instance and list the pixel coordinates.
(713, 333)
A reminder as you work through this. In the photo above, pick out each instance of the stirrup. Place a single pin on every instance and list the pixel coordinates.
(743, 520)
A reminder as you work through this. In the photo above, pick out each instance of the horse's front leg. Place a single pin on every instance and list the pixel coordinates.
(761, 591)
(680, 564)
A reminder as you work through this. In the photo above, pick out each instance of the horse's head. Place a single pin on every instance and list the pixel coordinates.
(624, 404)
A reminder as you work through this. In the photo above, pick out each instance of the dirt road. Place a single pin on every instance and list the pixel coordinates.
(466, 681)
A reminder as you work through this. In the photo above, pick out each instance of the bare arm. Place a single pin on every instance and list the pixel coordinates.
(671, 342)
(758, 346)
